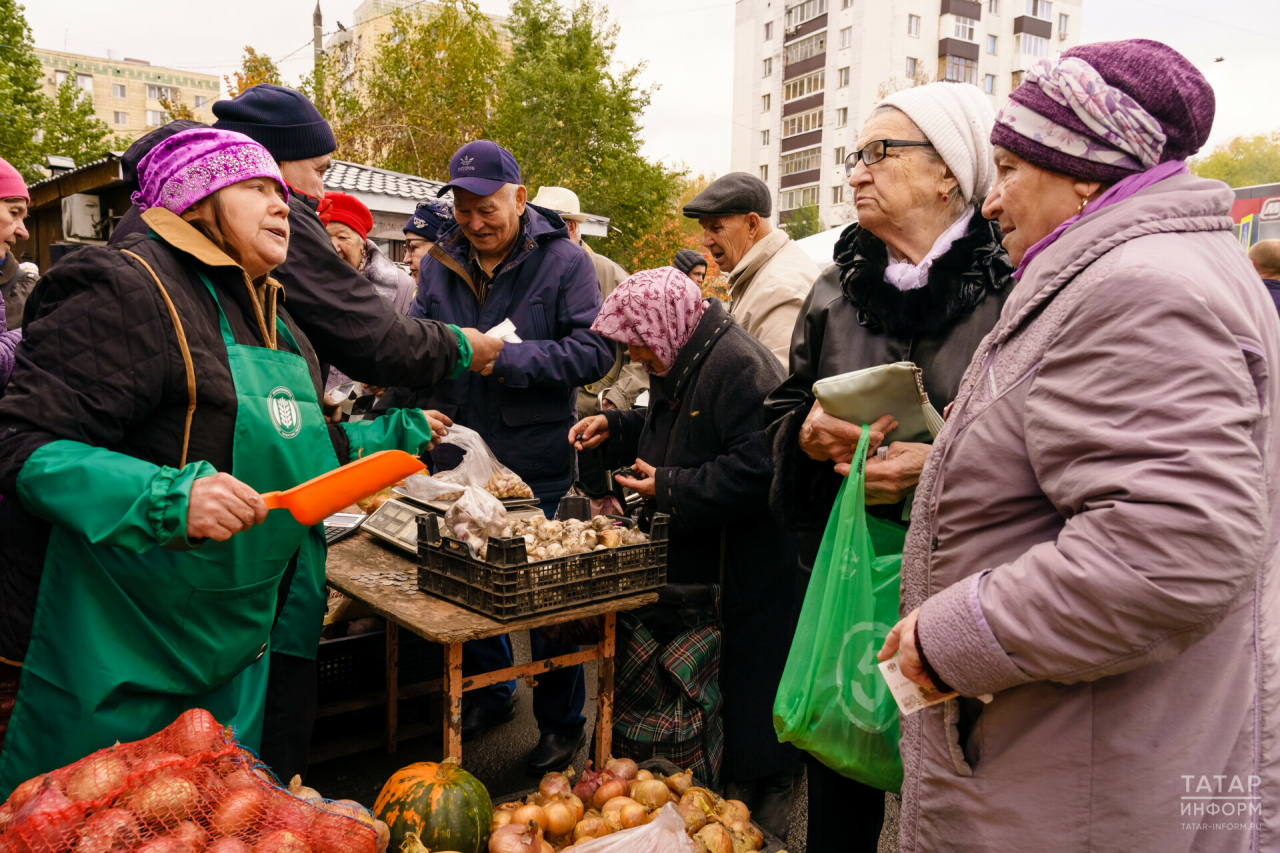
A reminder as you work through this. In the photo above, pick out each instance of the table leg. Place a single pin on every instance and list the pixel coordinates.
(453, 701)
(604, 691)
(393, 684)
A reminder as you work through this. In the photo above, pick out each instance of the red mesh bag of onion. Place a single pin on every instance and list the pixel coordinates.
(189, 788)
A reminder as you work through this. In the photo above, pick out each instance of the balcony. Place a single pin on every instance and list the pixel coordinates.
(1034, 26)
(962, 8)
(807, 28)
(958, 47)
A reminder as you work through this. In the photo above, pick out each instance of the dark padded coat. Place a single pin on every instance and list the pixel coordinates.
(704, 432)
(854, 319)
(100, 364)
(349, 324)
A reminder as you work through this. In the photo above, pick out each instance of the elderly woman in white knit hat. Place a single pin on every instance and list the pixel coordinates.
(921, 277)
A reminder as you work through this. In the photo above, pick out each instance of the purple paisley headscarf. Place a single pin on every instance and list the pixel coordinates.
(658, 309)
(194, 164)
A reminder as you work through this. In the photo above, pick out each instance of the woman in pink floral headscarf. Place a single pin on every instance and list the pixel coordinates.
(701, 457)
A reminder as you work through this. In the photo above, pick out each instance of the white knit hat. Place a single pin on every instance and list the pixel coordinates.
(957, 119)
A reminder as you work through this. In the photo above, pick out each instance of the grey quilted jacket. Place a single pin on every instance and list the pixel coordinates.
(1094, 541)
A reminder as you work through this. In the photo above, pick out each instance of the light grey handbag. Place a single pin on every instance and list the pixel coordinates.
(895, 389)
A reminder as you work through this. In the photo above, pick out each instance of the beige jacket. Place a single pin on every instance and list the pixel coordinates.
(767, 289)
(625, 381)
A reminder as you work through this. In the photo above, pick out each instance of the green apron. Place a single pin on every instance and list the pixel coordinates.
(126, 639)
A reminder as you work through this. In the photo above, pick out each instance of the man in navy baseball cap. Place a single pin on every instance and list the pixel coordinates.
(505, 259)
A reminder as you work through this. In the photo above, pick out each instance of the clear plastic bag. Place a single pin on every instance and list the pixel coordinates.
(475, 517)
(479, 468)
(665, 835)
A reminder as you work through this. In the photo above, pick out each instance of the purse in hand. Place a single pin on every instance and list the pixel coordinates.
(895, 389)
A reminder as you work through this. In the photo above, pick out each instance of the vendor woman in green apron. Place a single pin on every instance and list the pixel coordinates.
(160, 387)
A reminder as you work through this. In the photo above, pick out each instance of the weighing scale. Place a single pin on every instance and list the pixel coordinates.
(396, 521)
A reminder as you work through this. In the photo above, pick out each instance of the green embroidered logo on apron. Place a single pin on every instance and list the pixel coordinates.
(284, 411)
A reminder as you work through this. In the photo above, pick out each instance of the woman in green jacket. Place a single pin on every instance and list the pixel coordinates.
(160, 388)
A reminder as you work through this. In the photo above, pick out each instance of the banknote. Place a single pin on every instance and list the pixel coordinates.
(911, 697)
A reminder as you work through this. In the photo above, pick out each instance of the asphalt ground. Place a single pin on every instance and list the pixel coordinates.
(497, 758)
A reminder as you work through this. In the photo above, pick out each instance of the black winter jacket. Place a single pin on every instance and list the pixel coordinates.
(854, 319)
(348, 323)
(704, 432)
(100, 364)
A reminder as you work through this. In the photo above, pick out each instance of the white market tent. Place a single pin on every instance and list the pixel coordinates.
(821, 246)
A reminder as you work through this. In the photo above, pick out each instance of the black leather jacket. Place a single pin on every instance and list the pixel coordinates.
(852, 320)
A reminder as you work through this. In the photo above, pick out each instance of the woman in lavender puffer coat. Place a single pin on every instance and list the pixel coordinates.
(1094, 537)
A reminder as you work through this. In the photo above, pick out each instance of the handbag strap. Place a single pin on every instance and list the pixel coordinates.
(186, 354)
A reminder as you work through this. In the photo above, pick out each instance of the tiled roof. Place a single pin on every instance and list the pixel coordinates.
(352, 177)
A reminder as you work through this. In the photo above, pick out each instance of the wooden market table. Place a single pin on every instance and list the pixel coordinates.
(440, 621)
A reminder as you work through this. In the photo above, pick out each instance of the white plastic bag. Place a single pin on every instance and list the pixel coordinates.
(479, 468)
(475, 517)
(665, 835)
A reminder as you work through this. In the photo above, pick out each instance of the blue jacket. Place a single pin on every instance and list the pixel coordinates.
(550, 291)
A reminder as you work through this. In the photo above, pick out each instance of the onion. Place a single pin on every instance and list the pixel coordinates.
(610, 788)
(612, 812)
(700, 798)
(508, 807)
(527, 814)
(501, 818)
(680, 783)
(717, 838)
(192, 835)
(349, 808)
(514, 838)
(282, 841)
(652, 794)
(591, 826)
(554, 783)
(161, 763)
(586, 787)
(643, 775)
(694, 817)
(48, 823)
(747, 830)
(164, 799)
(212, 788)
(6, 817)
(242, 778)
(384, 835)
(301, 791)
(97, 777)
(23, 793)
(228, 845)
(239, 813)
(332, 831)
(560, 818)
(109, 830)
(634, 814)
(732, 810)
(194, 732)
(162, 845)
(288, 814)
(577, 806)
(623, 768)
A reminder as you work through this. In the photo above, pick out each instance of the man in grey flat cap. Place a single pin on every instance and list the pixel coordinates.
(770, 276)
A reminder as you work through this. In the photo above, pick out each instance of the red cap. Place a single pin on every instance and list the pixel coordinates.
(349, 210)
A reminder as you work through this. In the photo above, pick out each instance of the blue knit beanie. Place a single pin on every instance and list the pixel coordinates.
(283, 121)
(429, 219)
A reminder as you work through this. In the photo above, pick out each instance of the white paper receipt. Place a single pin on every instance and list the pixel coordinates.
(506, 331)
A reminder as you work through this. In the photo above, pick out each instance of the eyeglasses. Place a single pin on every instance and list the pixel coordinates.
(874, 152)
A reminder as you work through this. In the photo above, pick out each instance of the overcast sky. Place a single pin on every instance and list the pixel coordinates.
(688, 45)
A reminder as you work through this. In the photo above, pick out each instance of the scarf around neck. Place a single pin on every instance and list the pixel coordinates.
(904, 275)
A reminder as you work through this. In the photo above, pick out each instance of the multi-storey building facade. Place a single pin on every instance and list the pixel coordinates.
(127, 93)
(808, 73)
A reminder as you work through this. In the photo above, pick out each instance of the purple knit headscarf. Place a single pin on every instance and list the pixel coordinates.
(1105, 111)
(194, 164)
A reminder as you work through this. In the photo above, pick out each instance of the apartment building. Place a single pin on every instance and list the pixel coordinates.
(126, 93)
(807, 73)
(374, 19)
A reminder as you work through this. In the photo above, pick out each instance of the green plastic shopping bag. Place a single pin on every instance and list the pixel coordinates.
(832, 701)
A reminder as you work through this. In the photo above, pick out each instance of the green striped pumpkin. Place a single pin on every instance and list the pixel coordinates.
(447, 807)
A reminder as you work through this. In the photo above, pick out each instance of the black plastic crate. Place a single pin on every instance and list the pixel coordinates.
(507, 586)
(355, 666)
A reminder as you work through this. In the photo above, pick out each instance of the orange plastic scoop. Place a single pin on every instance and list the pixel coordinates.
(315, 500)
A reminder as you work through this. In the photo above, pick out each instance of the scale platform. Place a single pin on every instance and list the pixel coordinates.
(396, 521)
